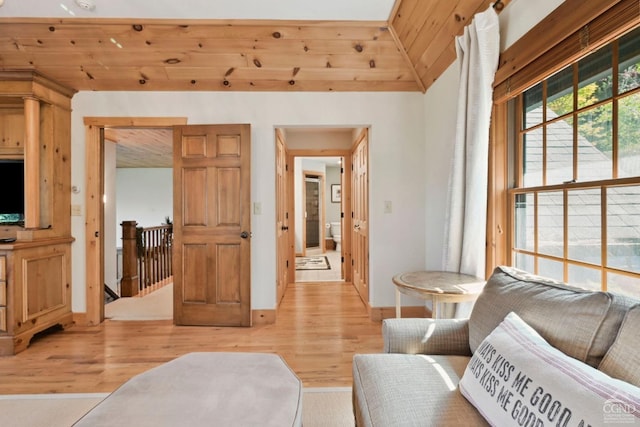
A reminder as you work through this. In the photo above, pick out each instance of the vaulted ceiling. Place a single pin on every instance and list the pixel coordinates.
(106, 51)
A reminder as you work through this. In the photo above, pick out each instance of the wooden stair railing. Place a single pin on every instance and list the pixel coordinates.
(146, 257)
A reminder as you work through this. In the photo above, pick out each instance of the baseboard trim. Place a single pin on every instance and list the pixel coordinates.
(377, 314)
(268, 317)
(80, 319)
(263, 317)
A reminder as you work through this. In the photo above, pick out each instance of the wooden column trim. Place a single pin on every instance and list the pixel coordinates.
(497, 207)
(32, 162)
(129, 284)
(93, 225)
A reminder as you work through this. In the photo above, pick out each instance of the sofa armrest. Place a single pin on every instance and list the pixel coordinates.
(426, 336)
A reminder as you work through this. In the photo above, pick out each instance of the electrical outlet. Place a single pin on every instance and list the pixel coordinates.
(257, 208)
(387, 206)
(76, 210)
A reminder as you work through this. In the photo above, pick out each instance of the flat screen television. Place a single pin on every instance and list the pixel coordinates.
(11, 191)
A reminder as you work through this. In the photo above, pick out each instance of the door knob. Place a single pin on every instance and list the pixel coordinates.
(244, 235)
(284, 228)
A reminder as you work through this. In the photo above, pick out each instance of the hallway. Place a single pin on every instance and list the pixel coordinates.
(333, 274)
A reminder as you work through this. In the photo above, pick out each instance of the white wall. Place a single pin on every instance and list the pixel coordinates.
(144, 195)
(397, 170)
(440, 120)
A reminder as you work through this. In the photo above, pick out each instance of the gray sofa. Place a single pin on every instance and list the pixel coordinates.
(415, 381)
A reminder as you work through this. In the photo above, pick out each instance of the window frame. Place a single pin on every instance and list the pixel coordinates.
(539, 54)
(572, 185)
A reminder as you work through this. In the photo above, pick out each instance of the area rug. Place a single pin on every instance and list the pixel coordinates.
(158, 305)
(321, 407)
(312, 263)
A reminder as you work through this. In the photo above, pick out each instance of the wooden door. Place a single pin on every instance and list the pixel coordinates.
(212, 225)
(282, 218)
(360, 203)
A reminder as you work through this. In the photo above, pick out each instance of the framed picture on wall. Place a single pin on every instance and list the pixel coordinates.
(336, 193)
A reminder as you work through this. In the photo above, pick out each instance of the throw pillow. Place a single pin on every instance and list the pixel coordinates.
(622, 361)
(515, 378)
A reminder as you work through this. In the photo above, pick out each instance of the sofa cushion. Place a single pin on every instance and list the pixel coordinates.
(426, 336)
(410, 390)
(623, 358)
(516, 378)
(580, 323)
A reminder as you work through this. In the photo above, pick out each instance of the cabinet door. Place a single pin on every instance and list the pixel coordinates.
(3, 293)
(40, 284)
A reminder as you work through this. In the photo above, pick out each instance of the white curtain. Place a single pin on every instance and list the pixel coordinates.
(465, 232)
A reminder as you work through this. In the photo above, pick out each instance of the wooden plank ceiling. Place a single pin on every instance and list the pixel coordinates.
(142, 147)
(407, 53)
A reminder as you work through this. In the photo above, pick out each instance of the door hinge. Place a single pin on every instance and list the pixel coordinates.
(287, 263)
(286, 215)
(352, 215)
(341, 214)
(352, 262)
(286, 168)
(341, 170)
(342, 260)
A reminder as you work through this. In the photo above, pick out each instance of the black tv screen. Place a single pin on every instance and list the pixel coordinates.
(12, 187)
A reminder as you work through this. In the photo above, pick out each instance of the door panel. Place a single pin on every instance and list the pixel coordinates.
(312, 214)
(282, 218)
(212, 283)
(195, 265)
(195, 197)
(360, 232)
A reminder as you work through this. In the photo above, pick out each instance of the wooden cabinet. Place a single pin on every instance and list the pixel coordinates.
(36, 290)
(35, 270)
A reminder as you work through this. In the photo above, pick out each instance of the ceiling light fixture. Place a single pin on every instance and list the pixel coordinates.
(86, 4)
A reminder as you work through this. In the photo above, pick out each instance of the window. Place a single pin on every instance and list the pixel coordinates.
(576, 201)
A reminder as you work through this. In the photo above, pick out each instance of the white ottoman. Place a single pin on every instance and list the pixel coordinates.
(206, 389)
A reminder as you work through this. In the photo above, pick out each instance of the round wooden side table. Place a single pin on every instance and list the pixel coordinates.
(439, 286)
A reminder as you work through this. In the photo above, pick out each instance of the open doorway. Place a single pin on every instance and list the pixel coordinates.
(319, 152)
(95, 231)
(313, 235)
(318, 208)
(138, 202)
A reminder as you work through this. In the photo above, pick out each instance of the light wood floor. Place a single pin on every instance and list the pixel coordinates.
(319, 327)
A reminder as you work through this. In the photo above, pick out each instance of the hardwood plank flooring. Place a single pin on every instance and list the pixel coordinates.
(319, 327)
